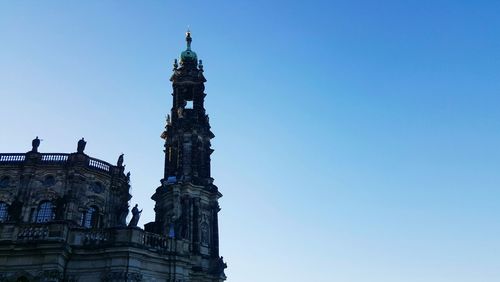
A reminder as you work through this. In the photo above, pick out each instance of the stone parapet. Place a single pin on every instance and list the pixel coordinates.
(51, 159)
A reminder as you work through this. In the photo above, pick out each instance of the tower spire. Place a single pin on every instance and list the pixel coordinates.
(188, 39)
(187, 201)
(188, 56)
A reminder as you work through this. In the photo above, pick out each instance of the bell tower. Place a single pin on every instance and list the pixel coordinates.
(187, 135)
(187, 201)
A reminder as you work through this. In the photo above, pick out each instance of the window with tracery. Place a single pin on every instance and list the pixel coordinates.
(89, 217)
(45, 212)
(4, 212)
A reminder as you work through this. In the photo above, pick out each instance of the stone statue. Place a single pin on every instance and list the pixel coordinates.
(204, 233)
(180, 111)
(35, 143)
(81, 146)
(122, 216)
(60, 204)
(119, 163)
(136, 214)
(221, 265)
(128, 177)
(15, 210)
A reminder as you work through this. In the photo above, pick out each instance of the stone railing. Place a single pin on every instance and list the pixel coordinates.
(52, 231)
(54, 158)
(10, 158)
(33, 232)
(93, 238)
(156, 241)
(98, 164)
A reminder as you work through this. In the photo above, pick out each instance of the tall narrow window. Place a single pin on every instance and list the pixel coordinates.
(3, 212)
(89, 217)
(45, 212)
(204, 234)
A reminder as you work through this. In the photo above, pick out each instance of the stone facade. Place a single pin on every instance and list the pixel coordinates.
(63, 216)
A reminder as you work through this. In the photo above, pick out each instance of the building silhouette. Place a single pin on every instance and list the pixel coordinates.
(63, 215)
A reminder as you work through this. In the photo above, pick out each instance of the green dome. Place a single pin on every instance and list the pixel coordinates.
(188, 55)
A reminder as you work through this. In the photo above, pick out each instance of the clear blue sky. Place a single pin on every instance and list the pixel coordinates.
(355, 141)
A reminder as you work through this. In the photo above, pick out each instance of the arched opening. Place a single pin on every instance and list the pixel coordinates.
(45, 212)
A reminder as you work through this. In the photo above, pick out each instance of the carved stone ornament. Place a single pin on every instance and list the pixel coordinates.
(121, 276)
(50, 276)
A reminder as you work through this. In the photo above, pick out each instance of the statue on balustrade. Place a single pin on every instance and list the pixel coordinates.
(120, 161)
(35, 144)
(122, 215)
(136, 214)
(81, 146)
(15, 210)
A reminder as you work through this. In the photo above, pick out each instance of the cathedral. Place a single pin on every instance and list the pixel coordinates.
(63, 216)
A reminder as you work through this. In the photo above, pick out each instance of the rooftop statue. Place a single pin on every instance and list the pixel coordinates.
(136, 214)
(35, 143)
(81, 146)
(119, 163)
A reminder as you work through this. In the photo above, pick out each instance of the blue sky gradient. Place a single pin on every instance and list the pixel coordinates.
(355, 140)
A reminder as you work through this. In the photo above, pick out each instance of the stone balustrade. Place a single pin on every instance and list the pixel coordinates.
(33, 233)
(156, 241)
(10, 159)
(82, 237)
(98, 164)
(58, 157)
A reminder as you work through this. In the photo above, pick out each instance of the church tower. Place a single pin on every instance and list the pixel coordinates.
(187, 200)
(63, 215)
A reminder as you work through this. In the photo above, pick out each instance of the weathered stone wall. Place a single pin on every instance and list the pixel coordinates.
(61, 249)
(70, 182)
(80, 254)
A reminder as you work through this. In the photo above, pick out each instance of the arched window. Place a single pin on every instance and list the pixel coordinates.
(89, 217)
(4, 213)
(45, 212)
